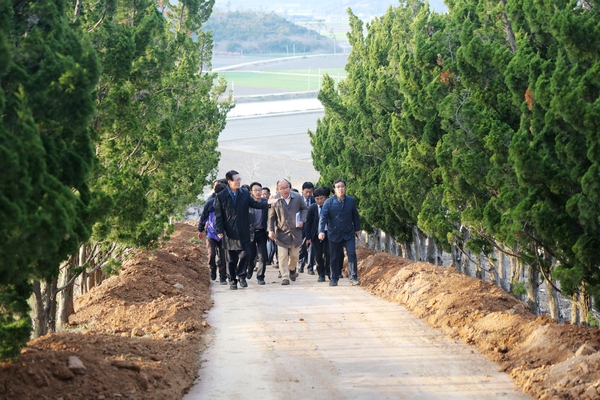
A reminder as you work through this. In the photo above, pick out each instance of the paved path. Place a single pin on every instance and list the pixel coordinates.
(312, 341)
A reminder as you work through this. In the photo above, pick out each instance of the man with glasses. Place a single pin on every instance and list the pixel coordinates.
(258, 230)
(340, 216)
(233, 226)
(286, 218)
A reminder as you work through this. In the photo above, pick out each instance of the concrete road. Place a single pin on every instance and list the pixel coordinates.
(312, 341)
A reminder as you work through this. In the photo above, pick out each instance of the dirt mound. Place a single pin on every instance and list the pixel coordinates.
(546, 359)
(137, 335)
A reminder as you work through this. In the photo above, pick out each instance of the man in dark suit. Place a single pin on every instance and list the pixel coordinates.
(258, 228)
(320, 248)
(306, 257)
(340, 215)
(233, 226)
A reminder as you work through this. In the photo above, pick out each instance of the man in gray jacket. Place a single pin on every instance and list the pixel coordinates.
(286, 218)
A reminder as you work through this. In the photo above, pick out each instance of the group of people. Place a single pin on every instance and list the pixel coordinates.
(304, 229)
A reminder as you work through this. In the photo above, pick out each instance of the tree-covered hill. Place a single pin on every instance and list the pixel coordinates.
(259, 33)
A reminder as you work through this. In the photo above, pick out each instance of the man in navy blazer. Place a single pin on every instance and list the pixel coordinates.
(233, 226)
(320, 248)
(340, 215)
(306, 257)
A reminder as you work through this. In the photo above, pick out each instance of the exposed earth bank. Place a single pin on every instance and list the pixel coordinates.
(139, 335)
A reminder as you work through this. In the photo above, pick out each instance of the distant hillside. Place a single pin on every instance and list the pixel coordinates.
(262, 33)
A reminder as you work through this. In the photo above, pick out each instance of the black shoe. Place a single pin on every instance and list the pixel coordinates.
(310, 271)
(321, 279)
(249, 274)
(333, 283)
(301, 269)
(285, 282)
(293, 275)
(261, 281)
(243, 282)
(213, 275)
(223, 282)
(233, 286)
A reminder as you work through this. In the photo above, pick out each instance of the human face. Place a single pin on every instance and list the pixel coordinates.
(265, 194)
(256, 192)
(284, 189)
(307, 193)
(235, 183)
(340, 190)
(320, 200)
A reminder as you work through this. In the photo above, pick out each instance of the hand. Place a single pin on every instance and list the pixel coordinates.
(272, 201)
(220, 235)
(272, 235)
(356, 233)
(199, 236)
(321, 236)
(307, 242)
(301, 224)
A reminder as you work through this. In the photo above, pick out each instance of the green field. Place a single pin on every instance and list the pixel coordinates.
(288, 80)
(334, 72)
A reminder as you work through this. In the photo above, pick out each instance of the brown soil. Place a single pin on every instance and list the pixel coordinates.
(548, 360)
(139, 336)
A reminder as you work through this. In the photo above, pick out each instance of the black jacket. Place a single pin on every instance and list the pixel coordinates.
(312, 222)
(233, 220)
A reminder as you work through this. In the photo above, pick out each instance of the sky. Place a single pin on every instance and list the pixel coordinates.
(319, 7)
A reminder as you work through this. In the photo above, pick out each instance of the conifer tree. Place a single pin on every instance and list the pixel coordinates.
(47, 77)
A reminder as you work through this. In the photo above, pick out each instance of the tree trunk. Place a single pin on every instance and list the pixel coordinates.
(553, 302)
(417, 244)
(575, 317)
(44, 307)
(431, 251)
(407, 251)
(504, 271)
(533, 291)
(65, 297)
(494, 267)
(457, 257)
(40, 325)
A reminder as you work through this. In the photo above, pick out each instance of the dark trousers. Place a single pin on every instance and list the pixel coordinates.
(258, 252)
(272, 251)
(237, 262)
(306, 257)
(320, 251)
(336, 250)
(215, 247)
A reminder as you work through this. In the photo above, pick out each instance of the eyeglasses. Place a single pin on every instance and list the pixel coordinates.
(257, 190)
(238, 179)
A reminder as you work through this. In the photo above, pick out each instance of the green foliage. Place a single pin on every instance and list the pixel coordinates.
(48, 74)
(158, 116)
(488, 119)
(519, 288)
(591, 320)
(261, 33)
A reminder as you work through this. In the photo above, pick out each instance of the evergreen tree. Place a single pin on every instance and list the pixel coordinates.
(47, 77)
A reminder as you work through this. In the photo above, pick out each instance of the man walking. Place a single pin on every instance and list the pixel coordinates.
(340, 216)
(213, 241)
(320, 248)
(233, 226)
(286, 218)
(305, 257)
(258, 246)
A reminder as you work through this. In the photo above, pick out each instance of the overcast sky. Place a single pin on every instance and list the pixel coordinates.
(372, 7)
